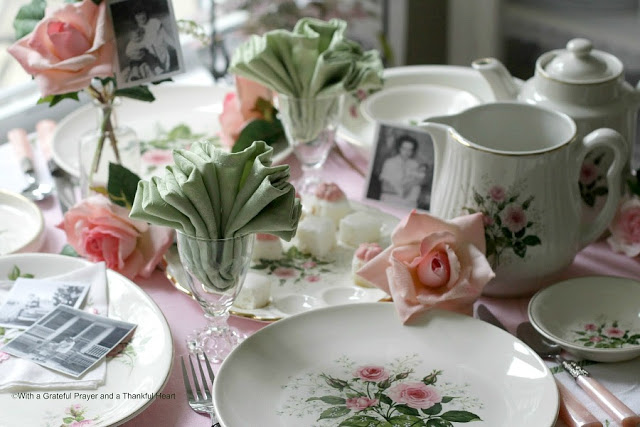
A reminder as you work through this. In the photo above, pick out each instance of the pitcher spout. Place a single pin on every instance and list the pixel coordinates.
(498, 78)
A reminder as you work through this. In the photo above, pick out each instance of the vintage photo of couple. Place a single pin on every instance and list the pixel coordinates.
(147, 39)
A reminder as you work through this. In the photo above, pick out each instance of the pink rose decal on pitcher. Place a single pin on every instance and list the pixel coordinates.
(432, 263)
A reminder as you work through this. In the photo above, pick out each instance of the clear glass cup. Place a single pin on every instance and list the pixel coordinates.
(310, 125)
(216, 269)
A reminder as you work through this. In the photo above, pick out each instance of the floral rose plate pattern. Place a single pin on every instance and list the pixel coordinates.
(357, 365)
(300, 281)
(594, 317)
(151, 343)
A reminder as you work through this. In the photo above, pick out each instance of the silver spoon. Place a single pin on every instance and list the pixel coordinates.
(35, 190)
(596, 391)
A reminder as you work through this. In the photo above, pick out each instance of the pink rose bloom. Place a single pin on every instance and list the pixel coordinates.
(285, 273)
(309, 264)
(432, 263)
(330, 192)
(595, 339)
(514, 218)
(497, 193)
(4, 356)
(590, 327)
(239, 109)
(361, 403)
(371, 373)
(71, 45)
(614, 332)
(588, 173)
(157, 157)
(102, 231)
(625, 228)
(313, 278)
(415, 395)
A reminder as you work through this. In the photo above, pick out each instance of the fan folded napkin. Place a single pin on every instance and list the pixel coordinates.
(312, 60)
(212, 194)
(18, 374)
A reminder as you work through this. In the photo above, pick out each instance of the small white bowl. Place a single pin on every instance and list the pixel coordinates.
(595, 317)
(411, 104)
(21, 224)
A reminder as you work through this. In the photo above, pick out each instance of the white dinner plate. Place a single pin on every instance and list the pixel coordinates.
(196, 106)
(360, 131)
(300, 283)
(141, 369)
(324, 367)
(21, 224)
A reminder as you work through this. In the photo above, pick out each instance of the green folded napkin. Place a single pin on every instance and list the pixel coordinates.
(312, 60)
(209, 193)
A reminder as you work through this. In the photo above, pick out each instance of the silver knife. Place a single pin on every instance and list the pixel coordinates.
(572, 412)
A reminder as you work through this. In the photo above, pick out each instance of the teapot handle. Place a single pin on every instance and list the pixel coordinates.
(610, 139)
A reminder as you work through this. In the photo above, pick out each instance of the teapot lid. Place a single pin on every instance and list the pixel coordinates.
(579, 63)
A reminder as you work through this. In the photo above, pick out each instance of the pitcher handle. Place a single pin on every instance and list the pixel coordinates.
(610, 139)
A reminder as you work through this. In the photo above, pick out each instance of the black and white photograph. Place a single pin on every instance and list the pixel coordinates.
(147, 41)
(69, 340)
(30, 299)
(401, 172)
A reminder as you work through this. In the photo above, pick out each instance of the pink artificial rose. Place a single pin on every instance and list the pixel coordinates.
(625, 228)
(71, 45)
(239, 109)
(360, 403)
(102, 231)
(371, 373)
(432, 263)
(330, 192)
(415, 395)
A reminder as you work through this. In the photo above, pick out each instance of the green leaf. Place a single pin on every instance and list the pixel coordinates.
(332, 400)
(447, 399)
(406, 410)
(519, 248)
(141, 93)
(520, 233)
(122, 185)
(28, 17)
(54, 99)
(438, 422)
(406, 421)
(15, 273)
(460, 416)
(434, 410)
(258, 130)
(507, 233)
(69, 251)
(478, 198)
(531, 240)
(68, 420)
(362, 421)
(385, 399)
(334, 412)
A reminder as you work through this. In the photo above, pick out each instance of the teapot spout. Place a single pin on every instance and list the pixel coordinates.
(498, 77)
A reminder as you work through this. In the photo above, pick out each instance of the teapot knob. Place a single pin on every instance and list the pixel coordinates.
(580, 47)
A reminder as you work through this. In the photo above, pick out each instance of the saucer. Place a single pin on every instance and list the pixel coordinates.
(595, 317)
(411, 104)
(21, 224)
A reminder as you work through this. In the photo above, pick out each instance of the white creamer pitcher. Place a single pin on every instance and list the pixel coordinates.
(519, 164)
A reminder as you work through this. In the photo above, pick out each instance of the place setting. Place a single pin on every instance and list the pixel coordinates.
(217, 256)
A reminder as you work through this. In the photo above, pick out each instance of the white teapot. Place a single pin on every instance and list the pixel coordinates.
(586, 84)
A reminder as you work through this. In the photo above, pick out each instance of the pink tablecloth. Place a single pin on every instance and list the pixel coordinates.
(184, 314)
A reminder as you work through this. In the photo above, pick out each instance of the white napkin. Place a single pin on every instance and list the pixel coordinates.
(622, 379)
(18, 374)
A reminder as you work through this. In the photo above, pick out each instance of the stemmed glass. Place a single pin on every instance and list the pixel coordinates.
(216, 269)
(310, 125)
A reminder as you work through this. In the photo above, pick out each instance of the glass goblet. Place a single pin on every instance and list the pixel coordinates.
(310, 125)
(216, 269)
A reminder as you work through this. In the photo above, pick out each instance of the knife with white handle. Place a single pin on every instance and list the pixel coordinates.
(572, 412)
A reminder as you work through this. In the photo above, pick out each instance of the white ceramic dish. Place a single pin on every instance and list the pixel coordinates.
(21, 224)
(301, 283)
(596, 317)
(301, 371)
(143, 367)
(411, 104)
(196, 106)
(360, 131)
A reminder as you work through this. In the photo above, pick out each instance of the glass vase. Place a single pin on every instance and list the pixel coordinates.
(108, 143)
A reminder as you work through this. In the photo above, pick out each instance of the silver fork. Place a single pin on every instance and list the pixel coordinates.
(200, 401)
